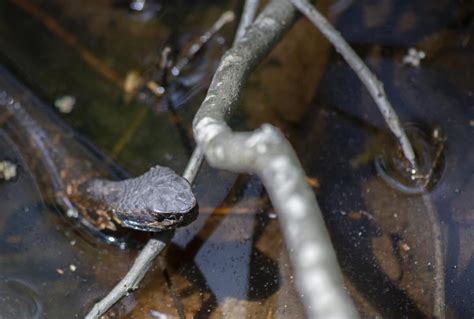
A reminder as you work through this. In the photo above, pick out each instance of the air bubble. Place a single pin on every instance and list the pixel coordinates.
(397, 171)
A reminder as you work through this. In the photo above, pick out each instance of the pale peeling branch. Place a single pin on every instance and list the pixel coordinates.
(267, 153)
(373, 85)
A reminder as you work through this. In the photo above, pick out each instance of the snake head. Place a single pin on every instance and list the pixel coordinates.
(158, 200)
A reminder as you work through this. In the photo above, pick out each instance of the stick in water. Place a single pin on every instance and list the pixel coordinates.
(373, 85)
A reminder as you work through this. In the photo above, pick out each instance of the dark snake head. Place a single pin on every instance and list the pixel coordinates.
(155, 201)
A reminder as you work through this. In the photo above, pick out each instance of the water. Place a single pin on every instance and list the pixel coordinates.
(18, 300)
(400, 228)
(232, 260)
(429, 150)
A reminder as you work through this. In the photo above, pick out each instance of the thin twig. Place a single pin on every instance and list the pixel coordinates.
(134, 276)
(439, 306)
(373, 85)
(246, 20)
(194, 164)
(267, 153)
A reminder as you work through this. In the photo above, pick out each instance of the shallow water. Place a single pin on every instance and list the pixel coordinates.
(232, 260)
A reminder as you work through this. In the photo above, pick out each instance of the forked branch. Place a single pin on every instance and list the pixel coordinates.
(267, 153)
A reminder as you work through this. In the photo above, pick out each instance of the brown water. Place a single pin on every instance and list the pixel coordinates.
(232, 260)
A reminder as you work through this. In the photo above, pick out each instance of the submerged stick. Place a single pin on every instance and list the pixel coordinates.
(439, 307)
(134, 276)
(373, 85)
(194, 164)
(225, 18)
(267, 153)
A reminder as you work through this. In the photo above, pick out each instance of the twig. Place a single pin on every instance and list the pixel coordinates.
(267, 153)
(373, 85)
(248, 15)
(194, 164)
(225, 18)
(131, 280)
(439, 306)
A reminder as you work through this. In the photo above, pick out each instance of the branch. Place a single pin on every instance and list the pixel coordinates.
(267, 153)
(225, 18)
(134, 276)
(193, 166)
(439, 306)
(246, 20)
(373, 85)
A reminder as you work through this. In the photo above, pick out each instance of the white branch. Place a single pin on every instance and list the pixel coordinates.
(267, 153)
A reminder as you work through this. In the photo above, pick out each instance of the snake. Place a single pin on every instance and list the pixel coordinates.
(84, 188)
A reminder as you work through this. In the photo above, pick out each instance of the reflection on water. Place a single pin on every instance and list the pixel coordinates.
(18, 300)
(428, 148)
(232, 260)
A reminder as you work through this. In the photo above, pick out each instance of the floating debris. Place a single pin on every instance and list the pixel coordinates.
(65, 104)
(158, 314)
(7, 170)
(72, 267)
(60, 271)
(405, 247)
(313, 182)
(133, 80)
(414, 57)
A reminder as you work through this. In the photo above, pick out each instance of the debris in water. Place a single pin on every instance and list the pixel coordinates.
(65, 104)
(7, 170)
(414, 57)
(132, 81)
(405, 247)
